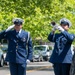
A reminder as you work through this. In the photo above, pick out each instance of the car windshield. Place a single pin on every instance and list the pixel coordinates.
(35, 52)
(42, 48)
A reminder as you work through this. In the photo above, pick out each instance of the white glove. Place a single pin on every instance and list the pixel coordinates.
(54, 28)
(27, 61)
(60, 28)
(10, 27)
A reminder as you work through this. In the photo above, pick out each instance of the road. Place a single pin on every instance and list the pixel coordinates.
(43, 68)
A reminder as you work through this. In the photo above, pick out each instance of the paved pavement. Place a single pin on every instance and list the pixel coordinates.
(43, 68)
(39, 65)
(40, 68)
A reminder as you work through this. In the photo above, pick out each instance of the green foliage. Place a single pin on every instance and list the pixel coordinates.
(37, 14)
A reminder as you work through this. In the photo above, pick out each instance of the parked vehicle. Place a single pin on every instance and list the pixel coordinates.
(72, 49)
(45, 51)
(37, 56)
(1, 58)
(4, 48)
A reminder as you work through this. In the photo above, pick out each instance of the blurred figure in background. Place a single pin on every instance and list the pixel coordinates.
(72, 70)
(62, 54)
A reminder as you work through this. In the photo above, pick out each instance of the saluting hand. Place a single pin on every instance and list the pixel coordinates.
(10, 27)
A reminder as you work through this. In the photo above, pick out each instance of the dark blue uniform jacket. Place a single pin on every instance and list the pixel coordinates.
(62, 49)
(18, 51)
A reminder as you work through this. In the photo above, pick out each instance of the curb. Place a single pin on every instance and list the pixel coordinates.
(39, 67)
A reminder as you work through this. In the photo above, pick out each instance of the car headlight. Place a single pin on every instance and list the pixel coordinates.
(4, 55)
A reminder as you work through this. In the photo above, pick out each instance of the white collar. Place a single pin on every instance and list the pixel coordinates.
(19, 31)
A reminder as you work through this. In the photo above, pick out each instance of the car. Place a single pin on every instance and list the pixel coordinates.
(72, 49)
(4, 48)
(37, 56)
(45, 51)
(1, 58)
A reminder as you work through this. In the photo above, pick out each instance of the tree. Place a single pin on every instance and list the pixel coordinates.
(37, 14)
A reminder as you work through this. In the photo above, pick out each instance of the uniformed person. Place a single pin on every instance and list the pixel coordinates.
(72, 69)
(62, 54)
(17, 55)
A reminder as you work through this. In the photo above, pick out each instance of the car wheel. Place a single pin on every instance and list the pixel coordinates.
(41, 59)
(32, 60)
(2, 62)
(45, 58)
(6, 63)
(38, 60)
